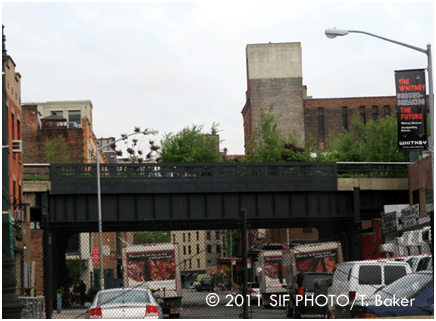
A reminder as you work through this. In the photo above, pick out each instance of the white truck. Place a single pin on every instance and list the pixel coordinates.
(271, 275)
(156, 266)
(318, 257)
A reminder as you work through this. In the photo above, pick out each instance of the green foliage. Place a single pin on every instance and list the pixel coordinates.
(374, 142)
(190, 145)
(267, 143)
(56, 150)
(152, 237)
(75, 267)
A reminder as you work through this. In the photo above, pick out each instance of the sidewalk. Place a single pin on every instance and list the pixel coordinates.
(72, 312)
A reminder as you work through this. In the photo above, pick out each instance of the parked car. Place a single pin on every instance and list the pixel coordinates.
(130, 303)
(206, 284)
(307, 285)
(358, 280)
(414, 294)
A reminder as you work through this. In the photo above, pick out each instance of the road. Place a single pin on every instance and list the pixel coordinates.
(195, 307)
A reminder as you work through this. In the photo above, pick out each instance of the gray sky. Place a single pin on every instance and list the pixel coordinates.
(166, 66)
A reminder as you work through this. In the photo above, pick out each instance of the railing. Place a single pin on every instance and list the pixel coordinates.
(372, 169)
(36, 172)
(34, 307)
(178, 171)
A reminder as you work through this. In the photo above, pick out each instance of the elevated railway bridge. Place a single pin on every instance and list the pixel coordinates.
(331, 197)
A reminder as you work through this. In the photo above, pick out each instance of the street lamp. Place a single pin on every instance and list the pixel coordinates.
(100, 225)
(333, 33)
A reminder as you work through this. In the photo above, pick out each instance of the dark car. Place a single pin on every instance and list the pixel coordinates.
(206, 284)
(411, 295)
(303, 291)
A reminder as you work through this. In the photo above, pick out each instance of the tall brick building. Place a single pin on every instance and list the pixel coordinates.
(41, 122)
(274, 76)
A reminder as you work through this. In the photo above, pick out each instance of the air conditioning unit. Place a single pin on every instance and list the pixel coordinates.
(18, 215)
(17, 146)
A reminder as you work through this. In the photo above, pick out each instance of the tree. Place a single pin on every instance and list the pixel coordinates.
(152, 237)
(268, 144)
(374, 142)
(56, 150)
(190, 145)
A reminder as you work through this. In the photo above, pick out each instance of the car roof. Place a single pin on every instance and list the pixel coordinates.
(125, 289)
(324, 273)
(381, 261)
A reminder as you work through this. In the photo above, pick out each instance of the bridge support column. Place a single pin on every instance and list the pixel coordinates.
(47, 257)
(243, 215)
(354, 232)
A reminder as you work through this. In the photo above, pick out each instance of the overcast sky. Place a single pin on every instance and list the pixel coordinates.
(166, 65)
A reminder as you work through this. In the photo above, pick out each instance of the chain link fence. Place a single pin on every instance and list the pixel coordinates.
(210, 274)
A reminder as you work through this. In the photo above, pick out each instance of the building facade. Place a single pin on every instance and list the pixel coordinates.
(274, 77)
(42, 123)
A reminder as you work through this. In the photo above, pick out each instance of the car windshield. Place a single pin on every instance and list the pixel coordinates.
(124, 296)
(404, 288)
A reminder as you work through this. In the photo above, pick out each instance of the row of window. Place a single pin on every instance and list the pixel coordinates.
(187, 236)
(362, 112)
(190, 263)
(188, 250)
(73, 115)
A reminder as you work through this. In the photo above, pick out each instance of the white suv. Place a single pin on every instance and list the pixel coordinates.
(357, 280)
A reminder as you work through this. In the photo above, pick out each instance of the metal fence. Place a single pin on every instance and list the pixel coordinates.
(150, 170)
(34, 307)
(301, 270)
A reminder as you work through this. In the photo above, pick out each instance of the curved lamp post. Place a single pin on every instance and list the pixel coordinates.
(333, 33)
(100, 225)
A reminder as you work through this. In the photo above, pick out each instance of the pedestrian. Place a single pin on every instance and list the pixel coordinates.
(76, 294)
(82, 291)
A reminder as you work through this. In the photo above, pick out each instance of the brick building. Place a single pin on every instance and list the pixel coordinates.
(274, 76)
(41, 122)
(324, 117)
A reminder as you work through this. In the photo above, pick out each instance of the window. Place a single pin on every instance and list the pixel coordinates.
(209, 249)
(393, 273)
(217, 235)
(189, 237)
(174, 238)
(208, 236)
(387, 110)
(370, 274)
(190, 264)
(74, 116)
(218, 248)
(321, 124)
(184, 239)
(184, 263)
(198, 249)
(198, 263)
(198, 236)
(345, 117)
(362, 114)
(189, 249)
(184, 249)
(374, 112)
